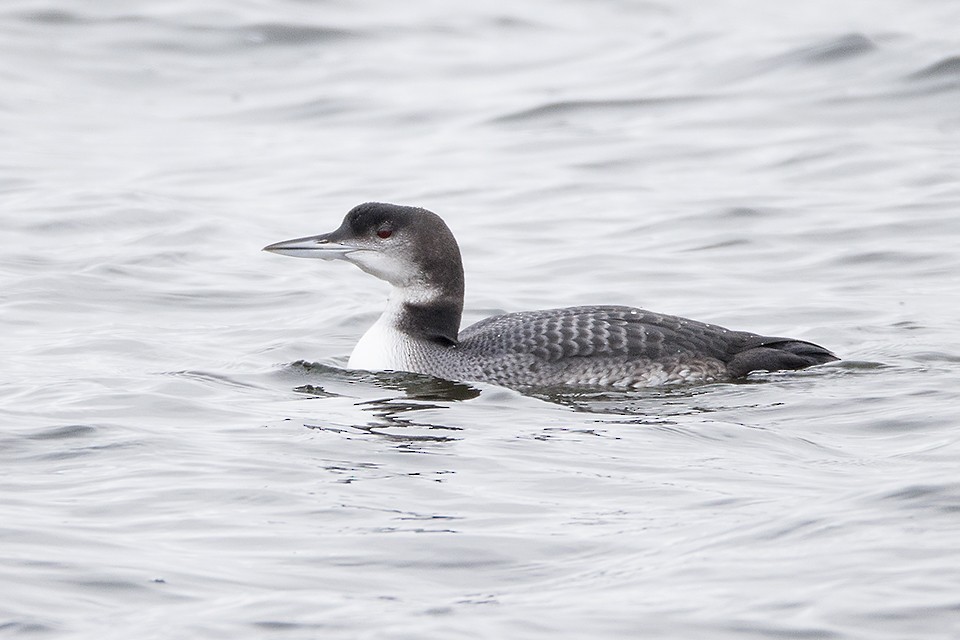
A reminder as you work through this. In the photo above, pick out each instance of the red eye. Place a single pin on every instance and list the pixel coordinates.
(384, 233)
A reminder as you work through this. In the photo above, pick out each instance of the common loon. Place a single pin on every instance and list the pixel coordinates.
(593, 346)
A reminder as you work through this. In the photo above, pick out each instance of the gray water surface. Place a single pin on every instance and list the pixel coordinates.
(182, 453)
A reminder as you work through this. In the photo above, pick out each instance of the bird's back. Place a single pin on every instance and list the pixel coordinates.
(619, 346)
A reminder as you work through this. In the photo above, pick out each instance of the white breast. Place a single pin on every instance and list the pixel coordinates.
(384, 347)
(379, 349)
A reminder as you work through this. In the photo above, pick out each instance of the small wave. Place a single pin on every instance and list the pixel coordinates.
(576, 107)
(847, 46)
(65, 432)
(290, 34)
(835, 50)
(888, 258)
(52, 16)
(948, 68)
(413, 385)
(295, 111)
(181, 35)
(192, 38)
(25, 628)
(943, 497)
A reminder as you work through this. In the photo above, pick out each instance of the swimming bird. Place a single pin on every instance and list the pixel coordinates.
(592, 346)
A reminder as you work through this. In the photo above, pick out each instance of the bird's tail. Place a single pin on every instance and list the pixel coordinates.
(777, 354)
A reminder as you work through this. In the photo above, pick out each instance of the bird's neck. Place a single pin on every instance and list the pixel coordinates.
(430, 315)
(413, 322)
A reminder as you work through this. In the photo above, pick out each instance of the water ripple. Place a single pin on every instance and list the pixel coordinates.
(948, 68)
(567, 108)
(833, 50)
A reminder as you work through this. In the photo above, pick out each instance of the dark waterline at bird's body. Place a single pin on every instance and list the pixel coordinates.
(606, 346)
